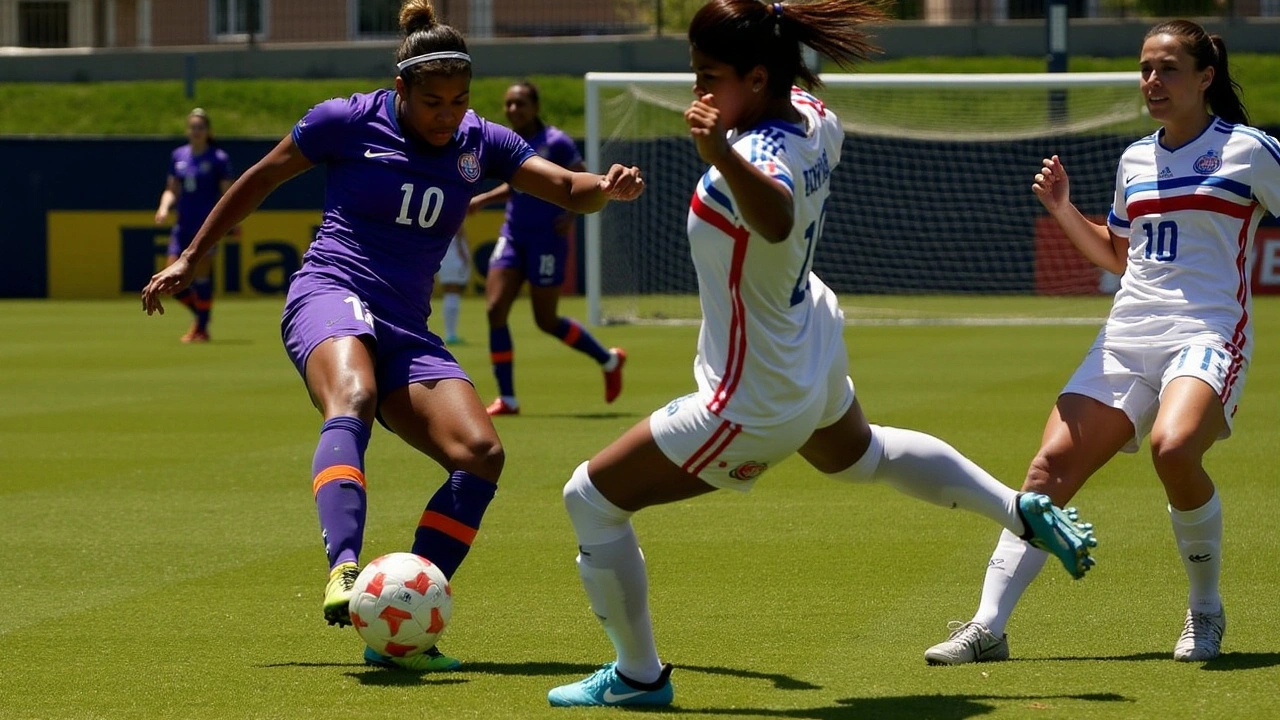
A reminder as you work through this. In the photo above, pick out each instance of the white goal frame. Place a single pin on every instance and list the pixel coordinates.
(596, 81)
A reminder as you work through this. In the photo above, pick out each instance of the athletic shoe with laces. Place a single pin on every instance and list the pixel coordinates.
(607, 686)
(500, 407)
(613, 378)
(432, 660)
(1057, 532)
(1201, 637)
(337, 594)
(968, 643)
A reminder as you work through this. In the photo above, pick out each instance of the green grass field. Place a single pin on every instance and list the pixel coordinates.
(268, 108)
(166, 561)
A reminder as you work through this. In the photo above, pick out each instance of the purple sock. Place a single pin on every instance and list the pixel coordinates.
(502, 356)
(576, 337)
(187, 297)
(203, 307)
(450, 522)
(338, 481)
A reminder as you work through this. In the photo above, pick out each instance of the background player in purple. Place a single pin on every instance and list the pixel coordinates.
(402, 167)
(533, 245)
(199, 173)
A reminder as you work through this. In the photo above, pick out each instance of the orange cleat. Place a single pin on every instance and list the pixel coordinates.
(500, 407)
(195, 335)
(613, 378)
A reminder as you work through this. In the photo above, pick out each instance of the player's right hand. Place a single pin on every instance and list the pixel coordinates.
(167, 282)
(1052, 185)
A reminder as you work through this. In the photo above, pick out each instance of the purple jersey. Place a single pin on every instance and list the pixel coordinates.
(200, 179)
(528, 216)
(391, 206)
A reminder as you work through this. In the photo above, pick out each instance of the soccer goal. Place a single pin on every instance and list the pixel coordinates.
(932, 195)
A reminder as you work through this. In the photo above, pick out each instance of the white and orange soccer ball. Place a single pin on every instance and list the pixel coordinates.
(401, 604)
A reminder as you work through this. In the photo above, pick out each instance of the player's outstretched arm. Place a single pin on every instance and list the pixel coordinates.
(581, 192)
(244, 196)
(1052, 186)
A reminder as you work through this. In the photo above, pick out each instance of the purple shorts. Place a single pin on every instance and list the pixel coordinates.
(540, 257)
(405, 352)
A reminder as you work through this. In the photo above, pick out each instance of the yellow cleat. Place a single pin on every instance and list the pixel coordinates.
(337, 594)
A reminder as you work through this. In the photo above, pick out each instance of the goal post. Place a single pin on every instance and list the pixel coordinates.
(932, 194)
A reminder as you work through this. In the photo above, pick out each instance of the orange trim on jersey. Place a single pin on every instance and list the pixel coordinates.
(447, 525)
(337, 472)
(571, 337)
(500, 357)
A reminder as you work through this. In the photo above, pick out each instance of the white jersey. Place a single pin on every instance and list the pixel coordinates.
(770, 328)
(1190, 215)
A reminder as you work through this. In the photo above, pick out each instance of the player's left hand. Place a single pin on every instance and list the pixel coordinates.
(168, 281)
(703, 118)
(622, 183)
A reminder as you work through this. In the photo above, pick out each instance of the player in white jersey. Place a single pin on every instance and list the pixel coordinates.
(455, 273)
(1172, 357)
(771, 371)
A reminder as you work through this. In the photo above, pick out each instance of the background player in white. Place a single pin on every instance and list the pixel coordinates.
(455, 273)
(771, 367)
(1172, 357)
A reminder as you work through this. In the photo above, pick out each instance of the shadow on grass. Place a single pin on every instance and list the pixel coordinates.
(1242, 661)
(383, 677)
(914, 707)
(781, 682)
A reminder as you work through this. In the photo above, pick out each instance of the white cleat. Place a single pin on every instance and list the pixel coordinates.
(968, 643)
(1201, 637)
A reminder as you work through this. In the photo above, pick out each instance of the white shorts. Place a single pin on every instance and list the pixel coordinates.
(455, 268)
(732, 456)
(1133, 379)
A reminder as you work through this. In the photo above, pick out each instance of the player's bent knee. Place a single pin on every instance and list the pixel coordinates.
(864, 470)
(483, 456)
(595, 520)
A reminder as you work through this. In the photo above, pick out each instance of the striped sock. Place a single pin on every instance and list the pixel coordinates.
(452, 517)
(503, 358)
(338, 483)
(203, 307)
(187, 297)
(576, 337)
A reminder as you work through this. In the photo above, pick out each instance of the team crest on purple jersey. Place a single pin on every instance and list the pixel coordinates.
(469, 166)
(1208, 163)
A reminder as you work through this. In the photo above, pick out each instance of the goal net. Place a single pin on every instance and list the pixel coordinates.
(932, 195)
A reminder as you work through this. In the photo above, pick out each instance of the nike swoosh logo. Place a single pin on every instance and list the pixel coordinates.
(372, 154)
(611, 697)
(1130, 179)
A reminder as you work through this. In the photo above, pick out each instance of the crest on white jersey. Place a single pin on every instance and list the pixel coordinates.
(1208, 163)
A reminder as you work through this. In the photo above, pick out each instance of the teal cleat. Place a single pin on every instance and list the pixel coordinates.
(608, 687)
(1056, 531)
(430, 661)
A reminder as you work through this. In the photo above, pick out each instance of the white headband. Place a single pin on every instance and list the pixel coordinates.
(447, 55)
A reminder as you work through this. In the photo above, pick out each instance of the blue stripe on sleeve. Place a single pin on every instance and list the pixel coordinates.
(1113, 219)
(714, 193)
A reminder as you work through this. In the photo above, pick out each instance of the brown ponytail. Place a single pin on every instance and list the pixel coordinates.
(747, 33)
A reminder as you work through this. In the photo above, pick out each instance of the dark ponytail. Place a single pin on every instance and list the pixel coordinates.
(1223, 94)
(747, 33)
(424, 34)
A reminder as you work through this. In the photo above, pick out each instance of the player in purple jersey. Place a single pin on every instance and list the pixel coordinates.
(199, 174)
(402, 166)
(533, 244)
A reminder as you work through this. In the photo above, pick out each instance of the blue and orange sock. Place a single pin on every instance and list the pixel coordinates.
(576, 337)
(187, 296)
(203, 305)
(452, 517)
(337, 473)
(503, 358)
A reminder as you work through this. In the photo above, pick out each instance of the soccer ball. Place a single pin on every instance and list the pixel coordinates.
(401, 604)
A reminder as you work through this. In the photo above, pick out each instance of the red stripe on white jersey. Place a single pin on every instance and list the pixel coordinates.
(1207, 203)
(725, 425)
(734, 429)
(738, 321)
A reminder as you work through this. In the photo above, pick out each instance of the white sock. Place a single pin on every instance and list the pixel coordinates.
(452, 310)
(612, 363)
(613, 573)
(1199, 536)
(929, 469)
(1012, 567)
